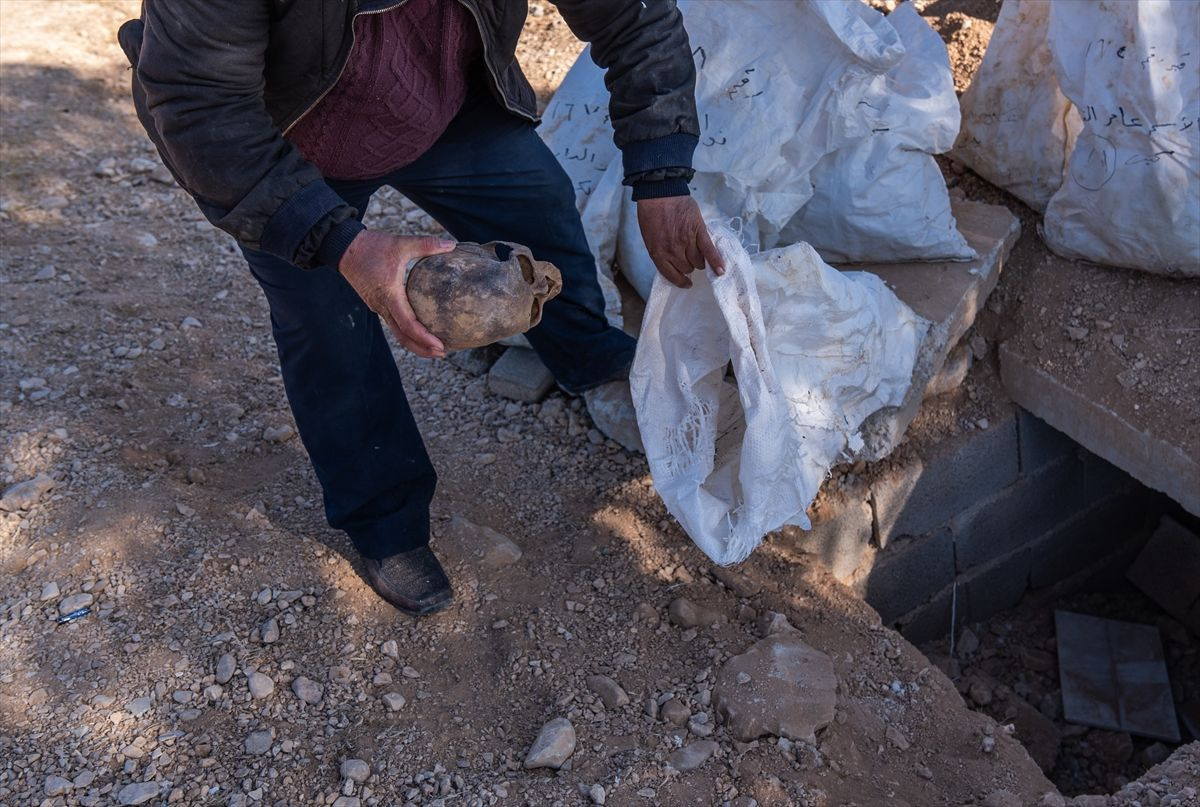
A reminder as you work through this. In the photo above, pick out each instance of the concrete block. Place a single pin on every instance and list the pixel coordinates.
(931, 620)
(1080, 413)
(925, 494)
(1040, 443)
(909, 572)
(949, 295)
(997, 586)
(1019, 514)
(520, 375)
(1075, 545)
(477, 360)
(840, 536)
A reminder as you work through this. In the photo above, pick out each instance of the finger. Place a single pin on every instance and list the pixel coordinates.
(407, 342)
(712, 255)
(431, 245)
(670, 270)
(402, 313)
(694, 258)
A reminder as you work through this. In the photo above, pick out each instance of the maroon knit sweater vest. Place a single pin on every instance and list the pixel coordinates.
(405, 79)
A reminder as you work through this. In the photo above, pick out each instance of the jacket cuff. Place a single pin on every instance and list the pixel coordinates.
(660, 189)
(337, 241)
(291, 224)
(669, 151)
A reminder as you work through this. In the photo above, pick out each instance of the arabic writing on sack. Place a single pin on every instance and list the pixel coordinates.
(1098, 156)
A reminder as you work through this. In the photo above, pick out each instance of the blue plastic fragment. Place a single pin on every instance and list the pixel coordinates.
(78, 613)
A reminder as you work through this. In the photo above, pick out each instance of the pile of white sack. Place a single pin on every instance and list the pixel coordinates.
(818, 125)
(1090, 113)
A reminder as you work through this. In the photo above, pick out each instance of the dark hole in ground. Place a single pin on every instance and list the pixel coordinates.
(1007, 668)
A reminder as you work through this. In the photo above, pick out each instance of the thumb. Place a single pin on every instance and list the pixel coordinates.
(431, 245)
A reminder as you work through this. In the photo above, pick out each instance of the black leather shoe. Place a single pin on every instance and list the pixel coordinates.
(413, 581)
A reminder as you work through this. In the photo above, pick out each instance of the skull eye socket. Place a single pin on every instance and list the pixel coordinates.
(503, 251)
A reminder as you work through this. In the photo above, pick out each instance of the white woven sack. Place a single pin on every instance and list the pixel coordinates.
(882, 197)
(1131, 193)
(814, 351)
(1017, 126)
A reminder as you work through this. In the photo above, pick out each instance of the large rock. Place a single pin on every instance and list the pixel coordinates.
(554, 745)
(780, 687)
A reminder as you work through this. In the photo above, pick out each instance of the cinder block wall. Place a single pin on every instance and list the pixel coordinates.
(975, 524)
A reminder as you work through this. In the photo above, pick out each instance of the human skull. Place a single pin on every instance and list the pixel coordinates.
(478, 294)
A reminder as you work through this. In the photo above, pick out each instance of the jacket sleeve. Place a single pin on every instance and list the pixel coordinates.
(644, 50)
(198, 86)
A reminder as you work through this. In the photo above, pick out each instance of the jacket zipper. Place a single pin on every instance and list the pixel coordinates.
(486, 60)
(488, 63)
(342, 69)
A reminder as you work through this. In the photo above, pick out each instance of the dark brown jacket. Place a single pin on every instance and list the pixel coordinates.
(217, 83)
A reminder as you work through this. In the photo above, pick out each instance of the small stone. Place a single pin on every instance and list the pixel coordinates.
(83, 779)
(608, 690)
(259, 742)
(226, 665)
(554, 745)
(980, 693)
(261, 685)
(897, 738)
(596, 794)
(278, 434)
(923, 771)
(692, 755)
(686, 614)
(491, 550)
(24, 495)
(307, 689)
(137, 793)
(189, 322)
(674, 711)
(181, 696)
(139, 706)
(54, 203)
(771, 623)
(1076, 334)
(47, 272)
(738, 583)
(49, 591)
(75, 602)
(390, 649)
(356, 770)
(347, 801)
(270, 631)
(394, 701)
(145, 240)
(56, 786)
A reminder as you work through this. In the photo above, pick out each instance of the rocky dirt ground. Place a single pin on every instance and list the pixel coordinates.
(233, 654)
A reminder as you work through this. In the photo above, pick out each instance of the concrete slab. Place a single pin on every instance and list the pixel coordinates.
(1155, 461)
(1114, 677)
(949, 295)
(1168, 571)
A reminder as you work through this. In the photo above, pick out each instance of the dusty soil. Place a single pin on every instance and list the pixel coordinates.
(137, 371)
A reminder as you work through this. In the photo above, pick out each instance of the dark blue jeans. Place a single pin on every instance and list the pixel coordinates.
(489, 177)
